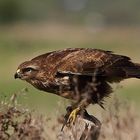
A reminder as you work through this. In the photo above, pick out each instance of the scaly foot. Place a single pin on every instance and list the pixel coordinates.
(72, 117)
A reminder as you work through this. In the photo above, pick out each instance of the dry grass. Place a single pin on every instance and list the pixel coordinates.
(17, 123)
(120, 122)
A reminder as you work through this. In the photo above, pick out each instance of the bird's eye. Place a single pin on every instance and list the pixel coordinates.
(28, 70)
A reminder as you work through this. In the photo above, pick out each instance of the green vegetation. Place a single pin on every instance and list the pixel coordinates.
(109, 12)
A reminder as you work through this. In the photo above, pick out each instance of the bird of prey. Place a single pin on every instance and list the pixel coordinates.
(81, 74)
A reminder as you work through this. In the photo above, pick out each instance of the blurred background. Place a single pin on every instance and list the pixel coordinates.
(30, 27)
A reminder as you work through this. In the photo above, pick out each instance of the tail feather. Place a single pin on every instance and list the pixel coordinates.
(133, 71)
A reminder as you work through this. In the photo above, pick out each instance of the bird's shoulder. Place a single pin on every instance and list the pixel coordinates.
(53, 55)
(50, 61)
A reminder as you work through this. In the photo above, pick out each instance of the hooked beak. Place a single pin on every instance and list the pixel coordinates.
(17, 75)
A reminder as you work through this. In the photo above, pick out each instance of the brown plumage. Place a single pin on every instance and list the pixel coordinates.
(78, 74)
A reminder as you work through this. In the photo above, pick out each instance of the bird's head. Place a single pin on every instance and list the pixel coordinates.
(27, 71)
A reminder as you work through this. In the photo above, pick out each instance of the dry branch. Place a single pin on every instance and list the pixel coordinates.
(86, 127)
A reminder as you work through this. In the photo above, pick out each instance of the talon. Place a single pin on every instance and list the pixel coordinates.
(72, 117)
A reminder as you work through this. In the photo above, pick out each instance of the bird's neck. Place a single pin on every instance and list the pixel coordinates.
(45, 86)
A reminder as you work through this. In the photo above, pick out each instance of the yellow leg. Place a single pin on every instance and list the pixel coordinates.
(72, 116)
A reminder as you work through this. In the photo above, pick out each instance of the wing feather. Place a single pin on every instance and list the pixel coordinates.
(89, 61)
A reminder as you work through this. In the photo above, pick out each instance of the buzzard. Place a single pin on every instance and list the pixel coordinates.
(81, 74)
